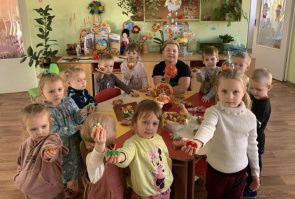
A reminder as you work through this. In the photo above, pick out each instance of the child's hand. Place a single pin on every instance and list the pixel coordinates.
(134, 94)
(195, 71)
(114, 159)
(83, 111)
(49, 152)
(78, 127)
(205, 99)
(192, 146)
(255, 184)
(90, 108)
(101, 71)
(98, 134)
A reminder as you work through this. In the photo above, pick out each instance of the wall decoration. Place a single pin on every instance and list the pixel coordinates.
(181, 9)
(95, 8)
(11, 40)
(132, 8)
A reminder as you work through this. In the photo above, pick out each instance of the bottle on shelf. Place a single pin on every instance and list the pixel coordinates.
(78, 50)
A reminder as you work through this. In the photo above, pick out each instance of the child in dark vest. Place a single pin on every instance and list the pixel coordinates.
(102, 180)
(39, 173)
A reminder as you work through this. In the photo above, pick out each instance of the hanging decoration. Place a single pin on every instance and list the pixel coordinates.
(95, 8)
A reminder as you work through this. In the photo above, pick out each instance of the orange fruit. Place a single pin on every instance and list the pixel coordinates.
(170, 70)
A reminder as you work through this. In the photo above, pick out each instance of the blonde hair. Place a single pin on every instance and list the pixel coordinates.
(106, 121)
(245, 56)
(144, 109)
(262, 75)
(70, 72)
(48, 77)
(32, 110)
(237, 75)
(170, 41)
(210, 50)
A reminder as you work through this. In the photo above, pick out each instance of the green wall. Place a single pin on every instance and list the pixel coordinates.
(291, 65)
(70, 16)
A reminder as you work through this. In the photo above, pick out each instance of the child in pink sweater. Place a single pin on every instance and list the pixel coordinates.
(39, 173)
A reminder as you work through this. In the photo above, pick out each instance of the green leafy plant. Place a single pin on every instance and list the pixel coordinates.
(128, 6)
(159, 41)
(229, 10)
(43, 54)
(226, 38)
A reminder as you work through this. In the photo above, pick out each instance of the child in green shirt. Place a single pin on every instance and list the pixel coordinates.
(146, 154)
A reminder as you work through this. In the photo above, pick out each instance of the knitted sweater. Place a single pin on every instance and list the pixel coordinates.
(229, 135)
(136, 77)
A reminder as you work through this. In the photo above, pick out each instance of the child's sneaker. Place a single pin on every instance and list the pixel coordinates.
(248, 193)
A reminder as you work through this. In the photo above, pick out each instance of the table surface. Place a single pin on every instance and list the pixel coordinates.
(124, 132)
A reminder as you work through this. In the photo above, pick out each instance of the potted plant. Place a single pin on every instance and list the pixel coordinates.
(229, 10)
(159, 41)
(225, 39)
(43, 54)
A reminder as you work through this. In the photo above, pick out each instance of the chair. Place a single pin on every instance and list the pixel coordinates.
(107, 94)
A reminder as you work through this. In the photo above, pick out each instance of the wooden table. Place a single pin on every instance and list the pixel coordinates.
(183, 165)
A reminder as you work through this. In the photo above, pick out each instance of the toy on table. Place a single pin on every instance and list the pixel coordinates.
(113, 151)
(162, 99)
(127, 111)
(90, 107)
(164, 89)
(170, 70)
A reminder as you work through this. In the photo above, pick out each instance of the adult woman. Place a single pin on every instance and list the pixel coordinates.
(181, 81)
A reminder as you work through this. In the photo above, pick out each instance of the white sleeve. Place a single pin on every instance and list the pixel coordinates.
(252, 152)
(95, 165)
(208, 126)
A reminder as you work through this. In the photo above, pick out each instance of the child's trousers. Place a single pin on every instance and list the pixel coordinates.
(225, 185)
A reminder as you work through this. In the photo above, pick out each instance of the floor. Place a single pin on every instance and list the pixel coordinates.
(278, 175)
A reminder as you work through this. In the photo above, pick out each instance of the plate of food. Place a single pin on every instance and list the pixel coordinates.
(125, 111)
(175, 121)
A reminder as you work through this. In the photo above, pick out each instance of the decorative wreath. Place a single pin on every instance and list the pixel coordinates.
(95, 8)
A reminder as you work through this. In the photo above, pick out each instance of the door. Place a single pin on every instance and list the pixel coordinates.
(274, 20)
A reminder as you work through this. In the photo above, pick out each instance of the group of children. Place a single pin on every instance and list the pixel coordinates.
(232, 133)
(53, 158)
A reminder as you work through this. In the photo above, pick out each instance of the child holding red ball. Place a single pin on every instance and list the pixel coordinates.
(228, 135)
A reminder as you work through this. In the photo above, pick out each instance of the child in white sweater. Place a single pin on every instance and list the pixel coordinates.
(228, 134)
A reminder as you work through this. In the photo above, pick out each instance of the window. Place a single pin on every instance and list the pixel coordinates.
(11, 40)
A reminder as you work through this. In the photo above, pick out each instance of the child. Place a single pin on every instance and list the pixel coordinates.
(228, 133)
(260, 84)
(106, 79)
(39, 158)
(76, 80)
(66, 118)
(242, 63)
(146, 154)
(104, 180)
(134, 75)
(207, 75)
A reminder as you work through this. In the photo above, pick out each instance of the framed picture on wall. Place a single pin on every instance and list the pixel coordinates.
(161, 10)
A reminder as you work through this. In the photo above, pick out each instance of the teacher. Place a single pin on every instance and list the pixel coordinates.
(181, 81)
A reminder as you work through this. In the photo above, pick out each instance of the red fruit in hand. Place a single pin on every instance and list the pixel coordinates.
(170, 70)
(192, 144)
(95, 55)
